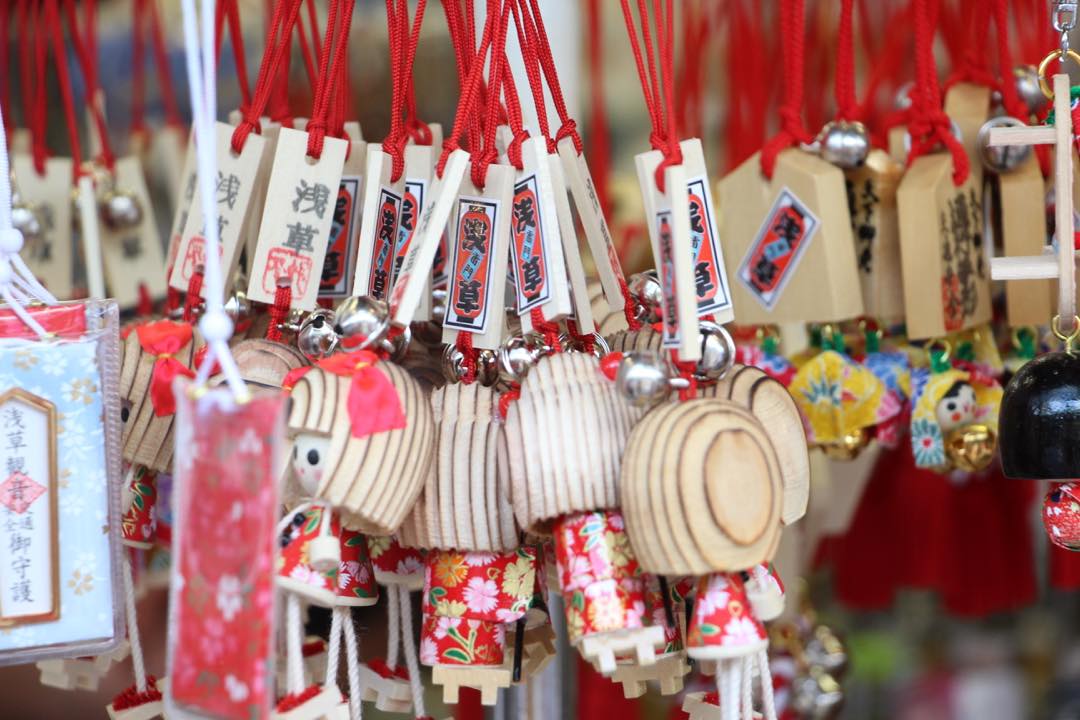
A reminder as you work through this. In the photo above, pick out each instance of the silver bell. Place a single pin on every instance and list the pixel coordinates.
(825, 650)
(238, 307)
(645, 287)
(1026, 78)
(316, 338)
(438, 306)
(517, 356)
(120, 209)
(25, 219)
(817, 695)
(487, 367)
(361, 321)
(1001, 158)
(845, 144)
(397, 346)
(644, 378)
(717, 351)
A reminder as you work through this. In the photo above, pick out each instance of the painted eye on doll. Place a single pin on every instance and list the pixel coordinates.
(125, 411)
(313, 457)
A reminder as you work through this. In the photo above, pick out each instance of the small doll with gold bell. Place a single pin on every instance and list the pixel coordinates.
(954, 416)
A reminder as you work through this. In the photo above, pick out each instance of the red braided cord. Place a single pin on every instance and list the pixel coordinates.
(929, 124)
(138, 69)
(52, 20)
(547, 62)
(1010, 96)
(599, 132)
(469, 355)
(227, 11)
(488, 155)
(527, 39)
(330, 72)
(792, 131)
(844, 88)
(305, 51)
(85, 51)
(279, 311)
(194, 295)
(161, 64)
(279, 31)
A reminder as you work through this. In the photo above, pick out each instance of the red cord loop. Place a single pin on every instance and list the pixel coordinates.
(792, 131)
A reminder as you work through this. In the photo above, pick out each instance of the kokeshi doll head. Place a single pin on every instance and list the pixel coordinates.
(564, 440)
(769, 401)
(155, 354)
(265, 362)
(466, 502)
(702, 489)
(381, 436)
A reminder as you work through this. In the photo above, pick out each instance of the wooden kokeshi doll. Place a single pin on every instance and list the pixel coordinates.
(381, 437)
(565, 437)
(468, 525)
(154, 354)
(703, 495)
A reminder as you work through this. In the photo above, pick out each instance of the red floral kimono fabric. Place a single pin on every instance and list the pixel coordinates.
(969, 540)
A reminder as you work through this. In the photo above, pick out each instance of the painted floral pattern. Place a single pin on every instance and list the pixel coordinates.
(838, 397)
(723, 624)
(394, 564)
(494, 587)
(222, 590)
(461, 641)
(67, 374)
(138, 527)
(601, 582)
(351, 583)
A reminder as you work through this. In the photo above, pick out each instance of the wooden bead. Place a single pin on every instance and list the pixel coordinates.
(701, 489)
(373, 480)
(630, 340)
(770, 402)
(564, 440)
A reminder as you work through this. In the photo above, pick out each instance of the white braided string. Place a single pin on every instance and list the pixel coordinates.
(294, 627)
(416, 686)
(333, 650)
(137, 663)
(393, 633)
(352, 656)
(767, 700)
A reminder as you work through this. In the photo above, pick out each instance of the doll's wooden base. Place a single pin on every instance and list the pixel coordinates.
(668, 670)
(601, 649)
(486, 679)
(390, 694)
(146, 711)
(327, 705)
(315, 657)
(698, 708)
(80, 673)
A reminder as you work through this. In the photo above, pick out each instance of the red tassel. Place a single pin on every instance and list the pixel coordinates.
(145, 308)
(133, 698)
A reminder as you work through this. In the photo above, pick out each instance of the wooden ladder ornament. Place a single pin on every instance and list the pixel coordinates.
(1046, 266)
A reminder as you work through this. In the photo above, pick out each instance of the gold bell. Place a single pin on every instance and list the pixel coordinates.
(848, 446)
(971, 448)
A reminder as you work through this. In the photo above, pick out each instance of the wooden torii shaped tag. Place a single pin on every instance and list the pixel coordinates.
(1048, 266)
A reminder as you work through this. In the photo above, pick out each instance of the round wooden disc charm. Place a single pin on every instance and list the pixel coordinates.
(375, 479)
(264, 362)
(564, 440)
(464, 505)
(769, 401)
(702, 489)
(148, 431)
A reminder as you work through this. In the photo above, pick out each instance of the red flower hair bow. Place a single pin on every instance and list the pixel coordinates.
(373, 403)
(163, 339)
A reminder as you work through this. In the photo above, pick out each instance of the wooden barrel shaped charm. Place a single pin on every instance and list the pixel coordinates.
(265, 362)
(373, 480)
(564, 440)
(701, 489)
(770, 402)
(464, 505)
(625, 341)
(148, 435)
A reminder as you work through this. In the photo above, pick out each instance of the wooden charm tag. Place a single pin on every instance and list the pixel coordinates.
(711, 289)
(378, 225)
(871, 191)
(968, 106)
(296, 219)
(419, 164)
(132, 256)
(237, 175)
(50, 196)
(945, 268)
(478, 250)
(536, 245)
(185, 194)
(792, 239)
(415, 273)
(587, 202)
(258, 196)
(1021, 200)
(575, 270)
(668, 217)
(168, 153)
(340, 264)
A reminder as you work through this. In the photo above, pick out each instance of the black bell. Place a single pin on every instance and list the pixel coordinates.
(1039, 425)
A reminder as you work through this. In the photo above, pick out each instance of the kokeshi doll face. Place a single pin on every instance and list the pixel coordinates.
(309, 461)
